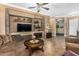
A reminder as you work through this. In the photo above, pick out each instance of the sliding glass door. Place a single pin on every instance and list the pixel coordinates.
(73, 26)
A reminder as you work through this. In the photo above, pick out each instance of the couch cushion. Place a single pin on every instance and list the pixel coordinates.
(17, 37)
(72, 40)
(73, 47)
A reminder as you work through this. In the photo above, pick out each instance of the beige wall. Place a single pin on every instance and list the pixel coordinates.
(15, 11)
(13, 25)
(20, 13)
(2, 20)
(53, 25)
(65, 26)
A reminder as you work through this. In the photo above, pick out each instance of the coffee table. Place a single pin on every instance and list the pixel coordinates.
(33, 45)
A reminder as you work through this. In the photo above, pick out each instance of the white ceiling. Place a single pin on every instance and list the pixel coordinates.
(56, 9)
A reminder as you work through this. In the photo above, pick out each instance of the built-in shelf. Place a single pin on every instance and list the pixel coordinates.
(36, 24)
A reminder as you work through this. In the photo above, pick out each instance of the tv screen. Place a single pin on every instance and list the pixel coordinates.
(24, 27)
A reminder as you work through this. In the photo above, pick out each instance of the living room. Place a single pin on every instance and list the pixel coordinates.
(28, 26)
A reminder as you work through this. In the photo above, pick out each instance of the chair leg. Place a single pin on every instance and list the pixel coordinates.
(26, 47)
(42, 49)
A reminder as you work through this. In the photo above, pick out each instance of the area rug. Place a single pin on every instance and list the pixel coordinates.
(70, 53)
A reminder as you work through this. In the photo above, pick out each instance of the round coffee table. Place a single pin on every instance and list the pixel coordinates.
(33, 45)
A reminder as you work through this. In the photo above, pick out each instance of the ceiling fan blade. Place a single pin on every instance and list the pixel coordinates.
(45, 8)
(43, 4)
(32, 7)
(38, 3)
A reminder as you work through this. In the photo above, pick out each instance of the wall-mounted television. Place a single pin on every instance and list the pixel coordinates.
(24, 27)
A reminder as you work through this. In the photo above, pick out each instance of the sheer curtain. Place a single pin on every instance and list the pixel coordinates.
(73, 26)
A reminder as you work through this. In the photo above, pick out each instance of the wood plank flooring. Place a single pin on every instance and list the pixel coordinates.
(52, 47)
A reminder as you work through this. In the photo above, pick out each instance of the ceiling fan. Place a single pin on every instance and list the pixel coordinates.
(39, 6)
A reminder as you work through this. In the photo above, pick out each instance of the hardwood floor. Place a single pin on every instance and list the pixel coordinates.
(52, 47)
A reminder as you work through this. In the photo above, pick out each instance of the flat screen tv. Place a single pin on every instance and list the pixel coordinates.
(24, 27)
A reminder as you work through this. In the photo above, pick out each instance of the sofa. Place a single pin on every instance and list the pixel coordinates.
(72, 44)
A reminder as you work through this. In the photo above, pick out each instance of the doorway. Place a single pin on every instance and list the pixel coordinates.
(59, 27)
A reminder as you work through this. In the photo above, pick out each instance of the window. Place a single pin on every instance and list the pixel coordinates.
(73, 26)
